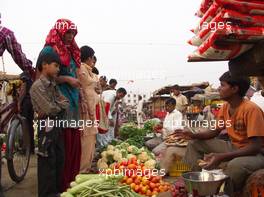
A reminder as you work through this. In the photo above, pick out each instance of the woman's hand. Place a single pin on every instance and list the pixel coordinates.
(83, 107)
(74, 82)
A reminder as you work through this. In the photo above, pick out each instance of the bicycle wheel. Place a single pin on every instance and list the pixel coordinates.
(18, 148)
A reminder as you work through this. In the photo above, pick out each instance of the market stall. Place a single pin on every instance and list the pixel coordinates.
(232, 30)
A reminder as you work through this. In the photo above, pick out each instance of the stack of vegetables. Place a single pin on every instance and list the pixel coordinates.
(239, 21)
(91, 185)
(122, 153)
(133, 135)
(143, 181)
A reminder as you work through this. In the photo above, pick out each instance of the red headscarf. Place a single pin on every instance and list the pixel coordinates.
(54, 39)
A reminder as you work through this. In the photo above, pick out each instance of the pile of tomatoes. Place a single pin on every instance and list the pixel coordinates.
(147, 184)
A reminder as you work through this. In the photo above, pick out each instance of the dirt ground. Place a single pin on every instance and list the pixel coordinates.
(27, 188)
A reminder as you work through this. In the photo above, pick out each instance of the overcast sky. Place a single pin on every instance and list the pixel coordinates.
(140, 40)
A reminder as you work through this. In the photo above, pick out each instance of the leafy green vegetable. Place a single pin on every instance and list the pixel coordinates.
(149, 125)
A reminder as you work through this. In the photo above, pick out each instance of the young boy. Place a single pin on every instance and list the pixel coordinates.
(48, 103)
(172, 122)
(244, 122)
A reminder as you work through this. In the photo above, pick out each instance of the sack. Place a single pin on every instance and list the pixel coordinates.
(102, 110)
(232, 20)
(205, 5)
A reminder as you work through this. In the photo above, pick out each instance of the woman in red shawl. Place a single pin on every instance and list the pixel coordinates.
(60, 40)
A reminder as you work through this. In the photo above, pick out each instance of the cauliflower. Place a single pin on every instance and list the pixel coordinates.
(143, 157)
(130, 148)
(124, 145)
(133, 149)
(142, 149)
(110, 147)
(110, 152)
(117, 156)
(101, 164)
(118, 147)
(152, 155)
(104, 159)
(104, 154)
(124, 153)
(150, 164)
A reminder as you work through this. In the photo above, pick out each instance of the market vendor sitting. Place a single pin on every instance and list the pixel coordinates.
(244, 122)
(172, 121)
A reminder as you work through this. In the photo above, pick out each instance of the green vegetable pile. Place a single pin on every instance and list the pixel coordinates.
(133, 135)
(92, 185)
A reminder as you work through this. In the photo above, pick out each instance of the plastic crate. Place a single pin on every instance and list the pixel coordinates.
(178, 168)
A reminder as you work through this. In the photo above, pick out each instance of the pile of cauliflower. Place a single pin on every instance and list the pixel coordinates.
(123, 152)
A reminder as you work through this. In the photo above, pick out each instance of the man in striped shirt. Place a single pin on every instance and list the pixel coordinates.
(8, 42)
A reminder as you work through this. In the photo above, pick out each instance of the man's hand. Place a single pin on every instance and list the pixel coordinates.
(184, 134)
(213, 160)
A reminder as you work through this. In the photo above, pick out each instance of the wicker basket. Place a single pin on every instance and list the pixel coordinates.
(178, 168)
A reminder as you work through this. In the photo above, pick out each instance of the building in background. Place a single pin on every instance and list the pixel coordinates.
(130, 104)
(131, 99)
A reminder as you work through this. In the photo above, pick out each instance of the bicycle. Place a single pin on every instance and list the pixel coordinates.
(16, 137)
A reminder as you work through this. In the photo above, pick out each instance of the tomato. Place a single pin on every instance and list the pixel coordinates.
(136, 189)
(152, 185)
(154, 180)
(124, 163)
(117, 166)
(165, 188)
(156, 190)
(134, 160)
(129, 181)
(137, 181)
(149, 193)
(145, 181)
(141, 186)
(121, 167)
(129, 172)
(161, 188)
(131, 166)
(134, 176)
(125, 178)
(155, 193)
(159, 178)
(132, 186)
(144, 189)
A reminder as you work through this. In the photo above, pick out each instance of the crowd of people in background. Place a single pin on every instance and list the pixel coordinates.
(67, 86)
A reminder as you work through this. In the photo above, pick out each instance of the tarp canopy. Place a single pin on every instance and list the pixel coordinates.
(167, 89)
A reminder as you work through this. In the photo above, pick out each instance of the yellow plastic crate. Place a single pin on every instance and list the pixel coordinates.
(178, 168)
